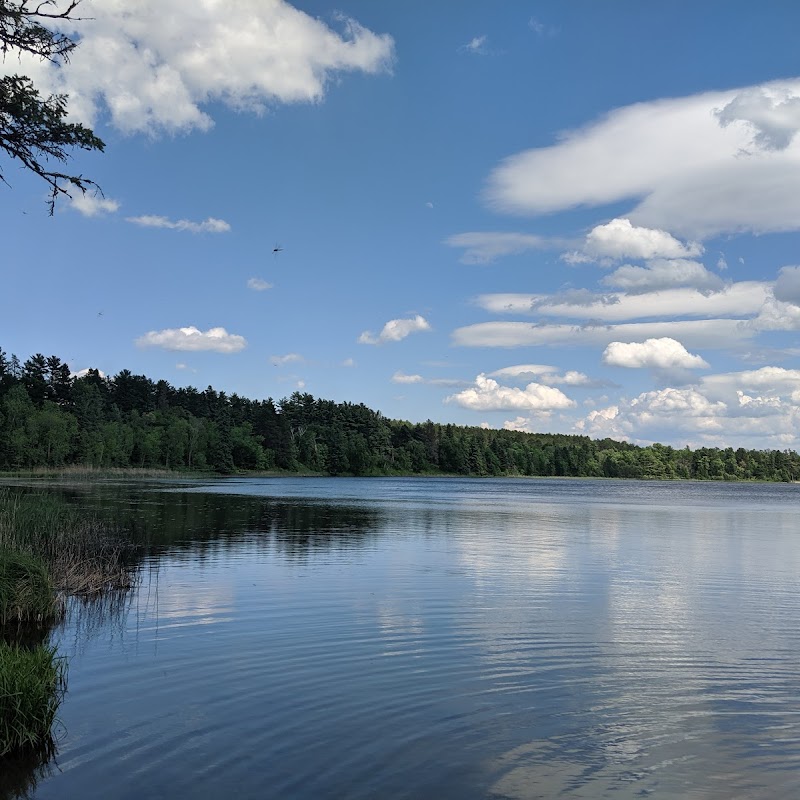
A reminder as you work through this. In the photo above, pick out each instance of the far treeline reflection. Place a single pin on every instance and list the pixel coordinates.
(48, 418)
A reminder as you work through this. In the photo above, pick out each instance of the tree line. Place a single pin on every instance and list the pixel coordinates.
(51, 418)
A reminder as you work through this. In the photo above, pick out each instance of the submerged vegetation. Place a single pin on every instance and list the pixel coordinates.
(50, 419)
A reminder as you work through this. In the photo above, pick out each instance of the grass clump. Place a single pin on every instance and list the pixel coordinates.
(83, 555)
(26, 592)
(32, 685)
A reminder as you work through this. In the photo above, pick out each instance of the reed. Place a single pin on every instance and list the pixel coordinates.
(26, 592)
(32, 686)
(86, 472)
(83, 555)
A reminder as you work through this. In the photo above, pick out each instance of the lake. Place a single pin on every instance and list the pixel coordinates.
(439, 638)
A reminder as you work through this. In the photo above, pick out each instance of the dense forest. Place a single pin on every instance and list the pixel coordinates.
(50, 418)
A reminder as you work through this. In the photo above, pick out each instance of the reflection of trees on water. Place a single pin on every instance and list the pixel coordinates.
(199, 522)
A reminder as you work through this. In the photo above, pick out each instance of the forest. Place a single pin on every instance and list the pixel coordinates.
(50, 418)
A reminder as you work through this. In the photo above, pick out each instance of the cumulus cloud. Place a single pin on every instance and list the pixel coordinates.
(773, 381)
(258, 285)
(158, 65)
(664, 353)
(489, 395)
(678, 162)
(524, 371)
(530, 424)
(787, 287)
(289, 358)
(210, 225)
(620, 239)
(662, 274)
(483, 248)
(776, 316)
(93, 205)
(755, 408)
(571, 378)
(773, 116)
(395, 330)
(82, 373)
(545, 374)
(191, 338)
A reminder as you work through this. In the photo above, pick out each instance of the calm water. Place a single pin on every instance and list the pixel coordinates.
(440, 638)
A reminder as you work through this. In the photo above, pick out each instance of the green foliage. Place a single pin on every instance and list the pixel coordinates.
(33, 128)
(32, 685)
(131, 421)
(26, 593)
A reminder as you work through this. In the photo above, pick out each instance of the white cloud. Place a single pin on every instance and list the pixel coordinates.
(571, 378)
(258, 285)
(773, 117)
(210, 225)
(93, 205)
(395, 330)
(191, 338)
(752, 409)
(155, 65)
(485, 247)
(787, 287)
(524, 371)
(401, 377)
(348, 362)
(545, 374)
(776, 316)
(289, 358)
(82, 373)
(541, 29)
(706, 333)
(620, 239)
(489, 395)
(663, 274)
(774, 381)
(664, 353)
(476, 45)
(737, 299)
(683, 171)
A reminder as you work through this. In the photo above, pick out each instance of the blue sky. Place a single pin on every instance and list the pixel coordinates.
(577, 217)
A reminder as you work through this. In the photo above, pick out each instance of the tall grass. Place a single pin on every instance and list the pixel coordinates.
(26, 592)
(83, 555)
(32, 685)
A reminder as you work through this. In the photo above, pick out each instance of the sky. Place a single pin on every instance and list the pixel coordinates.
(571, 217)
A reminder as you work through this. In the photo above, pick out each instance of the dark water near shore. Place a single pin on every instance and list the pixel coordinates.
(440, 638)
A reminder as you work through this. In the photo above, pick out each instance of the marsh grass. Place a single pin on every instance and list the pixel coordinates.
(83, 555)
(32, 685)
(26, 592)
(85, 472)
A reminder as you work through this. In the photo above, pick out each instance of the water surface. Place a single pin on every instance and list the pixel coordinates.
(440, 638)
